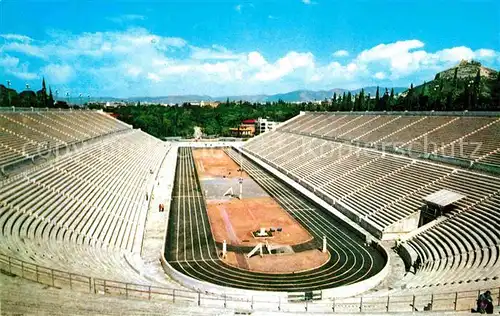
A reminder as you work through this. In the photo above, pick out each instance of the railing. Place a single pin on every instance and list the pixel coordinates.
(456, 301)
(33, 109)
(409, 113)
(48, 276)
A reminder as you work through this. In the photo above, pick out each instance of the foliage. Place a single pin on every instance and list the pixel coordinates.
(456, 89)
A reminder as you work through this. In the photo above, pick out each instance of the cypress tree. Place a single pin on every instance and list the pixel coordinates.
(344, 102)
(362, 100)
(390, 104)
(349, 101)
(495, 94)
(50, 101)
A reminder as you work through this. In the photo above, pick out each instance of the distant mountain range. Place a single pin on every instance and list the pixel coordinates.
(293, 96)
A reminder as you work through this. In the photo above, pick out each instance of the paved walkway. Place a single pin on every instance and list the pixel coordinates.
(154, 232)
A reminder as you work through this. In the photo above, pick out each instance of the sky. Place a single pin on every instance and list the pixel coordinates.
(172, 47)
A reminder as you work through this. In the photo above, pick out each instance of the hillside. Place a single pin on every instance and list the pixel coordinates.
(292, 96)
(461, 76)
(466, 69)
(467, 86)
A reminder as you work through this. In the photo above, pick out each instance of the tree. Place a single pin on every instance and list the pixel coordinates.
(343, 106)
(390, 104)
(476, 92)
(361, 100)
(410, 99)
(495, 94)
(28, 99)
(384, 100)
(50, 100)
(377, 100)
(449, 102)
(348, 106)
(42, 95)
(333, 105)
(423, 98)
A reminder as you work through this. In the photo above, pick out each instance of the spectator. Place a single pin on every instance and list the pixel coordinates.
(485, 303)
(416, 265)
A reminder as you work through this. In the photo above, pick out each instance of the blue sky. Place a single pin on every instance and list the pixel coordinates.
(225, 47)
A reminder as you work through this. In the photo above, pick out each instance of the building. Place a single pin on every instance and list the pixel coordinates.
(212, 104)
(246, 129)
(263, 125)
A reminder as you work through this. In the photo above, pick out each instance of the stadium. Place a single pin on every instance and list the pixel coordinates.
(331, 212)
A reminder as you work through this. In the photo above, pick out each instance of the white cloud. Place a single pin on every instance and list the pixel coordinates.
(389, 51)
(255, 59)
(25, 75)
(58, 74)
(153, 77)
(133, 71)
(215, 52)
(306, 1)
(24, 48)
(238, 7)
(138, 62)
(98, 44)
(341, 53)
(285, 65)
(486, 53)
(8, 62)
(380, 75)
(11, 66)
(16, 37)
(454, 54)
(403, 58)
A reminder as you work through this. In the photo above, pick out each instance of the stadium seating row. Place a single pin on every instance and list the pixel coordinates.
(469, 138)
(462, 249)
(381, 188)
(27, 134)
(95, 196)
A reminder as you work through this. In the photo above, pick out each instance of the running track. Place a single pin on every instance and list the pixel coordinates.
(190, 247)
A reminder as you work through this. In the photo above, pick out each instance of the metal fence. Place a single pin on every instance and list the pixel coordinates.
(456, 301)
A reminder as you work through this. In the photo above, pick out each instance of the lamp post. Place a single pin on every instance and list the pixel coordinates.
(80, 96)
(67, 96)
(27, 86)
(8, 92)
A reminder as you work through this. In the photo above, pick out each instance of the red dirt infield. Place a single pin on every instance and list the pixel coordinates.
(214, 163)
(234, 220)
(282, 263)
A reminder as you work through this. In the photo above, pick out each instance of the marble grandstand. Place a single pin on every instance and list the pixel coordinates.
(339, 156)
(374, 168)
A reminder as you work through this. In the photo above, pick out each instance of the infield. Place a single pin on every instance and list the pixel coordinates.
(233, 219)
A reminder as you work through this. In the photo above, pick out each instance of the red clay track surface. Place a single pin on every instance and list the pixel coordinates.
(233, 219)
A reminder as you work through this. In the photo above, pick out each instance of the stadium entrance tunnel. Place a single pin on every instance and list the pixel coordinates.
(193, 258)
